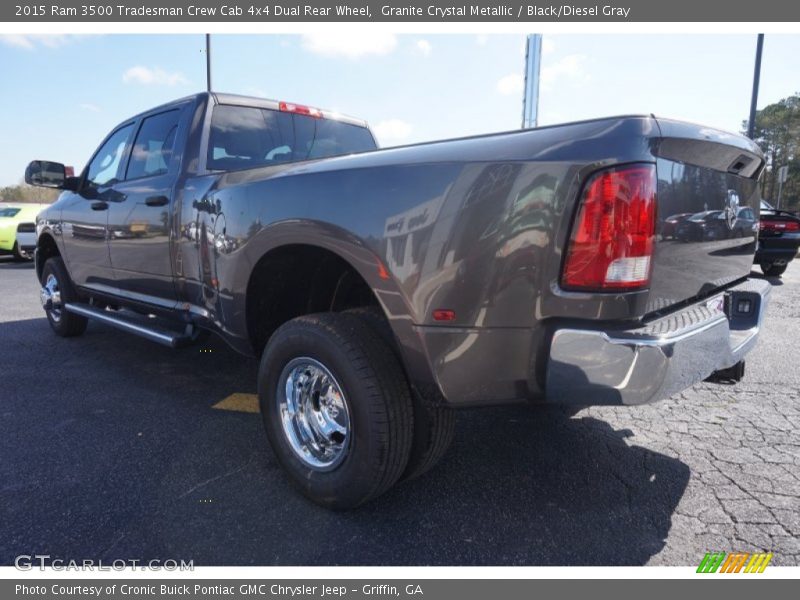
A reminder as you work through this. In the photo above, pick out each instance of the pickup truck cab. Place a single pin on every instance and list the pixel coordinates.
(381, 289)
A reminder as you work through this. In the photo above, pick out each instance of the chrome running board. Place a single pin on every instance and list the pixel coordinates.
(160, 336)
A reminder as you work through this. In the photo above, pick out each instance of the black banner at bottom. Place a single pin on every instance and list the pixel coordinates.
(377, 589)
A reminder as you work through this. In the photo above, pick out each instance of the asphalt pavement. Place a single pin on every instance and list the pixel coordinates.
(115, 448)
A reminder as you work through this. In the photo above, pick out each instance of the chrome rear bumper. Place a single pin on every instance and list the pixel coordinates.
(662, 358)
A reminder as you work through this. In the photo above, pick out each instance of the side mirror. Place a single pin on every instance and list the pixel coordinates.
(47, 174)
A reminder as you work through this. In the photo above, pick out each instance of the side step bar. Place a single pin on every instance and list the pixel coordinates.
(160, 336)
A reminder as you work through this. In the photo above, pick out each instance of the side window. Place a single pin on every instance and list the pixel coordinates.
(105, 168)
(155, 141)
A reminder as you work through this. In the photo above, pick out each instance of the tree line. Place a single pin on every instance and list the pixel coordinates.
(777, 131)
(23, 193)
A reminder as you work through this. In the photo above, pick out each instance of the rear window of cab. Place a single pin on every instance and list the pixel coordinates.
(242, 137)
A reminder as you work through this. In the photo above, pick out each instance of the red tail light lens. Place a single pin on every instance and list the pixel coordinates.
(444, 314)
(611, 246)
(300, 109)
(779, 226)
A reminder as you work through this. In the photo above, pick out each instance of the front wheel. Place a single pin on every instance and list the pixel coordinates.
(57, 290)
(772, 270)
(336, 407)
(19, 256)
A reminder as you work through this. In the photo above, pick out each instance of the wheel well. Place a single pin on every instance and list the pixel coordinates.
(45, 248)
(296, 280)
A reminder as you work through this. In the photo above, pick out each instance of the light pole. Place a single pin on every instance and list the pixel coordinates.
(208, 62)
(530, 99)
(751, 122)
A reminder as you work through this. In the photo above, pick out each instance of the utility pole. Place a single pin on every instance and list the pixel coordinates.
(530, 99)
(751, 122)
(208, 62)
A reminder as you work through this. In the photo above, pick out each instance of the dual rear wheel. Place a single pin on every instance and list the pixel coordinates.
(339, 412)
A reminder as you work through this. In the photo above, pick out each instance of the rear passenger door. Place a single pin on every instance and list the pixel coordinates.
(140, 223)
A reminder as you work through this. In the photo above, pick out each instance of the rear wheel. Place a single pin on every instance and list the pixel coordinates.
(773, 270)
(434, 423)
(434, 428)
(336, 407)
(57, 290)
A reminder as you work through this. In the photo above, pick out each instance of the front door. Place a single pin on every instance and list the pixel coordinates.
(84, 218)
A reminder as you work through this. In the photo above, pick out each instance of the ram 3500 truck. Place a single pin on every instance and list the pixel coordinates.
(381, 289)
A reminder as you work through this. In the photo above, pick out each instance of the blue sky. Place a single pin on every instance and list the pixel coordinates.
(62, 94)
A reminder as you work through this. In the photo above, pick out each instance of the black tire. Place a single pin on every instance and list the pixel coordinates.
(434, 423)
(63, 323)
(377, 398)
(373, 316)
(771, 270)
(19, 256)
(434, 428)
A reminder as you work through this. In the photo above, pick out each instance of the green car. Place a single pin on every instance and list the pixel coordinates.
(18, 229)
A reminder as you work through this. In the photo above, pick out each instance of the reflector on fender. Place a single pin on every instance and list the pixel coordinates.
(612, 237)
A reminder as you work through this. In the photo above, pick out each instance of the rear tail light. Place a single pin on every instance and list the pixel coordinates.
(444, 314)
(300, 109)
(611, 246)
(778, 226)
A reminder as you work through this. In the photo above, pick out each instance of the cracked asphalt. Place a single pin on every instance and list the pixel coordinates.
(111, 449)
(741, 444)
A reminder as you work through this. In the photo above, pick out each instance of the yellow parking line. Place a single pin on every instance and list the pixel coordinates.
(239, 402)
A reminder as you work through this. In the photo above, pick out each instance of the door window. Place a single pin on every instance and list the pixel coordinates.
(105, 168)
(154, 144)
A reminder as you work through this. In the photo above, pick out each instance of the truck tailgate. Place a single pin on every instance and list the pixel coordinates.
(708, 206)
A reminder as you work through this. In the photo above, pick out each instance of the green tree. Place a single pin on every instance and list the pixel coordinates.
(777, 131)
(27, 193)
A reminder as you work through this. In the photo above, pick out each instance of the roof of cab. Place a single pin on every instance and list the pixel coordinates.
(250, 101)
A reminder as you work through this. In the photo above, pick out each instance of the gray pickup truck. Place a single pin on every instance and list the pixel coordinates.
(381, 289)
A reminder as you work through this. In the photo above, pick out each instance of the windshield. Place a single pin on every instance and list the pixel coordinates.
(766, 205)
(9, 212)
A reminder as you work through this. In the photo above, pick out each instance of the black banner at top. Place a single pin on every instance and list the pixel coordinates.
(398, 11)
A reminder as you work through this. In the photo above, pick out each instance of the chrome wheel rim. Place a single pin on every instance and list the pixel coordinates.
(314, 414)
(51, 297)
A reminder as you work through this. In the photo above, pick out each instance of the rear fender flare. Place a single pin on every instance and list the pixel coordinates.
(360, 257)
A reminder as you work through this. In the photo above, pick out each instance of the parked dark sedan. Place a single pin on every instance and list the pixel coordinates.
(669, 228)
(778, 240)
(717, 225)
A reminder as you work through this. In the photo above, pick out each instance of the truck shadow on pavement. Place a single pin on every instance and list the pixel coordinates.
(120, 455)
(775, 281)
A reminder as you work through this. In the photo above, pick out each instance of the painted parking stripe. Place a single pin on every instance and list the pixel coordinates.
(247, 403)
